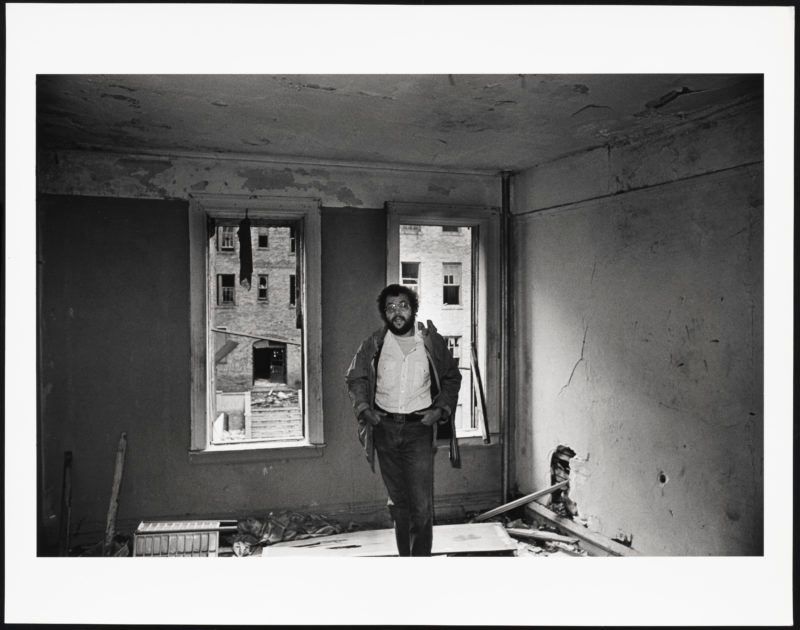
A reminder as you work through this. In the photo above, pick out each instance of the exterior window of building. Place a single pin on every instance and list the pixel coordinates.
(451, 289)
(254, 394)
(454, 345)
(450, 228)
(226, 289)
(292, 238)
(263, 238)
(409, 272)
(226, 238)
(292, 290)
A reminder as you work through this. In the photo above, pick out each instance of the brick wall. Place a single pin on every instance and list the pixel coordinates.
(273, 317)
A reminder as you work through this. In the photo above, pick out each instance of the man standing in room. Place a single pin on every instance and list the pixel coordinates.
(404, 384)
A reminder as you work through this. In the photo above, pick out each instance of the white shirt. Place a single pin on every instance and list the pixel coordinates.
(404, 380)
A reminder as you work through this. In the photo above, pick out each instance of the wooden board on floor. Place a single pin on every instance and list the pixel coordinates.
(465, 538)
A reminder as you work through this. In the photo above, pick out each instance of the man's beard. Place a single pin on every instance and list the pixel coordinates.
(400, 327)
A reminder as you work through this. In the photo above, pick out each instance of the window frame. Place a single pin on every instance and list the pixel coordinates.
(221, 233)
(265, 299)
(485, 221)
(307, 211)
(414, 285)
(221, 286)
(265, 233)
(456, 281)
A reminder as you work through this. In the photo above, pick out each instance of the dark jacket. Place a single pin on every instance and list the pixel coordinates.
(362, 375)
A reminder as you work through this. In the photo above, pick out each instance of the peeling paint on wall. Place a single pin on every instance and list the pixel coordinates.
(439, 190)
(266, 179)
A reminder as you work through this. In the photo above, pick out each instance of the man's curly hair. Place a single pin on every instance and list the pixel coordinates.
(395, 290)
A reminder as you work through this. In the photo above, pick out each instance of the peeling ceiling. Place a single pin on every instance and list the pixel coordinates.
(455, 122)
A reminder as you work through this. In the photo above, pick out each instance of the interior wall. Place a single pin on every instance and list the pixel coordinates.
(638, 334)
(114, 333)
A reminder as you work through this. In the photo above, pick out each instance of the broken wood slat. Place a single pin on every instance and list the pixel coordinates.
(518, 502)
(485, 420)
(224, 351)
(113, 505)
(596, 544)
(537, 534)
(66, 505)
(463, 538)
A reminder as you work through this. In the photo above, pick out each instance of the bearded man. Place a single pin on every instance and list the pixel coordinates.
(403, 383)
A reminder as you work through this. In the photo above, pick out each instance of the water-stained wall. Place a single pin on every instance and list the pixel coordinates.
(114, 332)
(638, 328)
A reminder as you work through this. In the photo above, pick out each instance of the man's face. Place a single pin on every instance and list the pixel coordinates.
(398, 314)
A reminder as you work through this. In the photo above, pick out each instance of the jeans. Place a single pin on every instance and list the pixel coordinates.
(405, 453)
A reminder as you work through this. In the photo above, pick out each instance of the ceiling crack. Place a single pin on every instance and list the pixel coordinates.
(590, 107)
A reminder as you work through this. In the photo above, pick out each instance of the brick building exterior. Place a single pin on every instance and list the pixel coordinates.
(267, 309)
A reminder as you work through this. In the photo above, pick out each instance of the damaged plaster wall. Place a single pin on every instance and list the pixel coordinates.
(159, 177)
(638, 319)
(115, 335)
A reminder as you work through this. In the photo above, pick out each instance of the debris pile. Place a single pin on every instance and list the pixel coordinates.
(531, 541)
(120, 548)
(280, 527)
(560, 502)
(274, 398)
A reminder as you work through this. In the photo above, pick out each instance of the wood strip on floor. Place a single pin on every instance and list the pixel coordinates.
(461, 538)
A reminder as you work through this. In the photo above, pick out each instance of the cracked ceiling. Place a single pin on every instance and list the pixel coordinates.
(455, 122)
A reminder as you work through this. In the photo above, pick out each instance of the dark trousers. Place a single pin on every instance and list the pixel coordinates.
(405, 453)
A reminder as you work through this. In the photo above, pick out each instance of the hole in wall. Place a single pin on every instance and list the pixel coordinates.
(662, 478)
(560, 501)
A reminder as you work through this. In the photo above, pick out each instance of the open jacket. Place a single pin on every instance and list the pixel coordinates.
(445, 382)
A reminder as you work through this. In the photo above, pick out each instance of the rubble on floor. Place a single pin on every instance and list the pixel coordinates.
(282, 527)
(540, 541)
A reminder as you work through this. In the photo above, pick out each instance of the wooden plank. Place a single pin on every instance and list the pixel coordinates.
(479, 382)
(66, 505)
(518, 502)
(447, 539)
(594, 543)
(225, 350)
(113, 506)
(535, 534)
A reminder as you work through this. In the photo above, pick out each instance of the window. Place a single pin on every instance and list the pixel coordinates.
(451, 286)
(471, 327)
(226, 238)
(410, 275)
(253, 387)
(292, 290)
(263, 238)
(291, 240)
(226, 288)
(453, 344)
(450, 228)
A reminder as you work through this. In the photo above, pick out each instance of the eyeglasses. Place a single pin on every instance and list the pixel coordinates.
(401, 306)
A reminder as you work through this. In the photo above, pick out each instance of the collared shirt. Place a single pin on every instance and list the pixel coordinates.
(404, 380)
